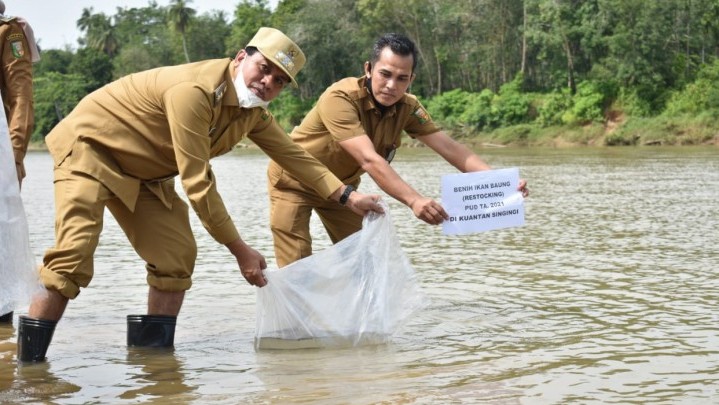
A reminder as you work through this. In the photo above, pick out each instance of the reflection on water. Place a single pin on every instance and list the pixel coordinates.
(18, 384)
(607, 294)
(157, 374)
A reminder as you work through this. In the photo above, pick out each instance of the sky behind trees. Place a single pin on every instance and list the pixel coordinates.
(55, 21)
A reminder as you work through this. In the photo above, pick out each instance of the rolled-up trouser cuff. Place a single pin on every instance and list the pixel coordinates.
(63, 285)
(169, 283)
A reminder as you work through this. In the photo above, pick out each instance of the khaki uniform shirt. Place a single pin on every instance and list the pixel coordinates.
(151, 126)
(16, 87)
(346, 110)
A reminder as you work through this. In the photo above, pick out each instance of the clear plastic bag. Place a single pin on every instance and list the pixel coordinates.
(357, 292)
(18, 273)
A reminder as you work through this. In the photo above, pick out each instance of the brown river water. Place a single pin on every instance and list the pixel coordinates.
(608, 294)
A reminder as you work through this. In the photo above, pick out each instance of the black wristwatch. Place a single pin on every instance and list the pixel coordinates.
(346, 195)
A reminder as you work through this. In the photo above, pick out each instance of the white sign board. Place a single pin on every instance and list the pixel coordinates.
(482, 201)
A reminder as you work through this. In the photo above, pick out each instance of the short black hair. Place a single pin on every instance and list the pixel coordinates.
(250, 50)
(398, 44)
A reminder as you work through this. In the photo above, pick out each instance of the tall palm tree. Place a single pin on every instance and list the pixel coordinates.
(180, 17)
(99, 32)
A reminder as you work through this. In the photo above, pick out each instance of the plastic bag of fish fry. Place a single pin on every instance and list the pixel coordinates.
(357, 292)
(19, 278)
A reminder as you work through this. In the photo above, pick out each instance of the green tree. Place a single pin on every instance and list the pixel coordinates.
(706, 12)
(560, 35)
(99, 32)
(511, 105)
(472, 44)
(134, 58)
(203, 34)
(181, 16)
(412, 18)
(285, 14)
(250, 15)
(640, 38)
(95, 66)
(494, 62)
(53, 60)
(55, 95)
(145, 28)
(697, 97)
(450, 105)
(488, 44)
(329, 58)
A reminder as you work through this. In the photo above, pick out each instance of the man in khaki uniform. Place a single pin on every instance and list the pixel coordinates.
(16, 87)
(122, 146)
(355, 128)
(16, 84)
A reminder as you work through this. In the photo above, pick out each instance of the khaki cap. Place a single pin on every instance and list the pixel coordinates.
(280, 50)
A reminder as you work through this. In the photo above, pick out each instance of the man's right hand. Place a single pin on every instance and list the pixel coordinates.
(428, 210)
(361, 204)
(251, 262)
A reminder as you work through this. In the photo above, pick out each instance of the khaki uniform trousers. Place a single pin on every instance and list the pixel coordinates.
(290, 212)
(162, 237)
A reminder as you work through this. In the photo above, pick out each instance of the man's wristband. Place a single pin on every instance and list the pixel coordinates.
(346, 195)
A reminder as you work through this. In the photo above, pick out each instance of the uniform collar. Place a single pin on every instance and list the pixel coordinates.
(230, 97)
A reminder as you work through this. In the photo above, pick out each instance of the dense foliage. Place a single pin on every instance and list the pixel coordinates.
(484, 64)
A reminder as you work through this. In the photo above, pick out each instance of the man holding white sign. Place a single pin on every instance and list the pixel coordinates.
(355, 128)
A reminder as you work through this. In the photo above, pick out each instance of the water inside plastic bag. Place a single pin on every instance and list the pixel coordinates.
(357, 292)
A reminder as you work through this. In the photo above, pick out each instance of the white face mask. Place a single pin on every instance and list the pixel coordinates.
(245, 96)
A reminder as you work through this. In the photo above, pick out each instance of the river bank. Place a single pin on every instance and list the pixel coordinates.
(616, 131)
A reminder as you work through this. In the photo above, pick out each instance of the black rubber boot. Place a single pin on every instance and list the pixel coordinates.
(7, 318)
(33, 338)
(151, 330)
